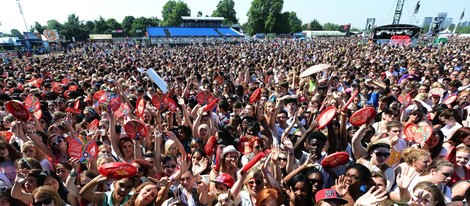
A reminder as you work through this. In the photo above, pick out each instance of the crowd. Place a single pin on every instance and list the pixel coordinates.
(238, 125)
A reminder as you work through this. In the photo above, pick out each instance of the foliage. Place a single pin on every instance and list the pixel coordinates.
(173, 11)
(142, 23)
(74, 27)
(54, 25)
(127, 24)
(199, 14)
(39, 28)
(113, 24)
(226, 9)
(263, 16)
(295, 23)
(314, 25)
(463, 30)
(16, 33)
(331, 27)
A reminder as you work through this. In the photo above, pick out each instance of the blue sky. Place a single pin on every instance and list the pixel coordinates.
(335, 11)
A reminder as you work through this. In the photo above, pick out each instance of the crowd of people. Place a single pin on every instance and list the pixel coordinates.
(227, 105)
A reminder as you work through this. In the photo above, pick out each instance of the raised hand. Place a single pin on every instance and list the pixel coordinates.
(371, 197)
(404, 178)
(200, 166)
(340, 185)
(311, 161)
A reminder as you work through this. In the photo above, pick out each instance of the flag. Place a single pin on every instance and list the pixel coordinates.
(417, 7)
(463, 14)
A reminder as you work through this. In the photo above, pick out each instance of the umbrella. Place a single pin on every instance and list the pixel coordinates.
(314, 69)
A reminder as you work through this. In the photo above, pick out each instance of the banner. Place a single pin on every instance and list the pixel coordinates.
(369, 24)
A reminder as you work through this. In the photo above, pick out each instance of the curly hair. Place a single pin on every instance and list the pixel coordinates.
(411, 155)
(132, 200)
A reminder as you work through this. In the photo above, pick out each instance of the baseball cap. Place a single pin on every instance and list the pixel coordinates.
(329, 194)
(225, 179)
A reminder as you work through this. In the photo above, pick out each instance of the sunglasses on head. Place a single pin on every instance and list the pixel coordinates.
(43, 202)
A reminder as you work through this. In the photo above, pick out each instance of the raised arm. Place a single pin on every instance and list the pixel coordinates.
(38, 141)
(114, 136)
(358, 150)
(173, 137)
(89, 190)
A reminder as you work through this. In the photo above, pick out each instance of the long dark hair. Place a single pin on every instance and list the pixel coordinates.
(63, 192)
(308, 186)
(12, 153)
(435, 151)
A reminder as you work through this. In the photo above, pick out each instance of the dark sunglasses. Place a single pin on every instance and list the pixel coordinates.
(58, 141)
(447, 174)
(43, 202)
(281, 159)
(258, 182)
(140, 169)
(314, 181)
(169, 166)
(382, 154)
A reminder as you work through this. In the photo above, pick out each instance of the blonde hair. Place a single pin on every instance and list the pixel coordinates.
(39, 153)
(168, 144)
(463, 149)
(411, 155)
(100, 160)
(47, 191)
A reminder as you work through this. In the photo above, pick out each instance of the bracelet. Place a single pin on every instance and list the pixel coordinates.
(292, 153)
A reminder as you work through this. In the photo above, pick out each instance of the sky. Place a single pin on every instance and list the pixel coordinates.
(334, 11)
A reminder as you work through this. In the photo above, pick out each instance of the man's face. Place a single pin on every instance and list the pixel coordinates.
(395, 131)
(315, 147)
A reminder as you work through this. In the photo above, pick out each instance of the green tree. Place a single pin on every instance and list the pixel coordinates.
(54, 24)
(226, 9)
(16, 33)
(315, 25)
(101, 27)
(113, 24)
(127, 24)
(173, 11)
(74, 27)
(199, 14)
(295, 24)
(330, 27)
(89, 27)
(142, 23)
(264, 15)
(39, 28)
(463, 30)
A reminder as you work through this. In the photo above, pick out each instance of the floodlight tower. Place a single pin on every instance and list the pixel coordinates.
(21, 11)
(398, 11)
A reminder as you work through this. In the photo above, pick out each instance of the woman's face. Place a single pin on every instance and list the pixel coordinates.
(122, 188)
(196, 158)
(170, 167)
(443, 174)
(147, 195)
(257, 148)
(203, 133)
(462, 158)
(422, 198)
(352, 177)
(4, 153)
(433, 141)
(128, 149)
(379, 156)
(255, 185)
(62, 172)
(172, 150)
(300, 190)
(466, 141)
(379, 183)
(31, 184)
(43, 124)
(422, 163)
(105, 152)
(282, 159)
(52, 182)
(57, 142)
(29, 152)
(316, 181)
(187, 180)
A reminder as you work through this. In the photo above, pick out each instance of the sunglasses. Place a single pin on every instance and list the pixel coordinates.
(140, 169)
(58, 141)
(314, 181)
(382, 154)
(43, 202)
(281, 159)
(258, 182)
(257, 147)
(169, 166)
(447, 174)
